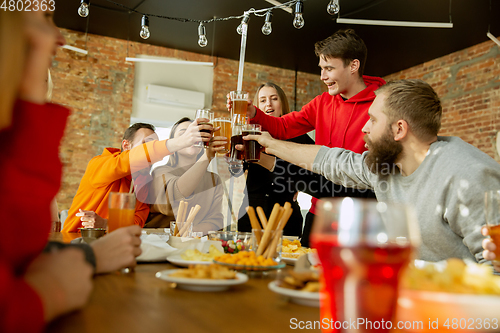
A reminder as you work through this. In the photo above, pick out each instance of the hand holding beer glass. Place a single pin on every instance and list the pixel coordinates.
(222, 127)
(363, 245)
(252, 147)
(204, 117)
(239, 104)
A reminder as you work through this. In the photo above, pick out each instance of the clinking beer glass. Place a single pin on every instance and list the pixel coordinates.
(236, 155)
(239, 105)
(207, 114)
(252, 147)
(225, 130)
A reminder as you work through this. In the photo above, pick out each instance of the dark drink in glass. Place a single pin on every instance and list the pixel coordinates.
(207, 143)
(204, 114)
(236, 139)
(252, 147)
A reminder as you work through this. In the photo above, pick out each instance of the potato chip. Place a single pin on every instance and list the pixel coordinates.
(456, 277)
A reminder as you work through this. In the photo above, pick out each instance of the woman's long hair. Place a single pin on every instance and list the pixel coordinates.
(173, 160)
(285, 108)
(13, 48)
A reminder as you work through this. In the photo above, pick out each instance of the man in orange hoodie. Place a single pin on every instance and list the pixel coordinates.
(114, 169)
(337, 115)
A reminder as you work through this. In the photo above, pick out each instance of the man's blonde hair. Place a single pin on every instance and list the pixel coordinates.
(415, 102)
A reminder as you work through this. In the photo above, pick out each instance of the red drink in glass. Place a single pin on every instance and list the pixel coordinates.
(360, 282)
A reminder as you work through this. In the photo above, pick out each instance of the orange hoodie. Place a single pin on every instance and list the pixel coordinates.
(111, 172)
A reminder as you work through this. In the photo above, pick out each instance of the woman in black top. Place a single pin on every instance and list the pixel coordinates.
(265, 188)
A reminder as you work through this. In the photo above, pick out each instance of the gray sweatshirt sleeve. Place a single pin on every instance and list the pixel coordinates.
(344, 167)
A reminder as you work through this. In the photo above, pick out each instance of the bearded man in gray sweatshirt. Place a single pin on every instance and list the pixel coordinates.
(443, 178)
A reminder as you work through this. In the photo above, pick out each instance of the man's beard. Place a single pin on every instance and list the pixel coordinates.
(381, 158)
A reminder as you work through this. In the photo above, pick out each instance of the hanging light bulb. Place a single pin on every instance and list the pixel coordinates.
(266, 28)
(243, 24)
(83, 10)
(145, 27)
(333, 7)
(298, 21)
(202, 38)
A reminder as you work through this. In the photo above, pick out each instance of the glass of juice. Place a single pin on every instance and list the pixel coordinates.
(492, 212)
(208, 119)
(252, 147)
(239, 100)
(121, 210)
(225, 130)
(363, 246)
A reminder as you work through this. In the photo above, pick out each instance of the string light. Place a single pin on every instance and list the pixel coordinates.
(202, 38)
(298, 21)
(333, 7)
(266, 28)
(83, 10)
(145, 27)
(244, 23)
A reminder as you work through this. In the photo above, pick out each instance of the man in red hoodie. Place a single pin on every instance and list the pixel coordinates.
(337, 115)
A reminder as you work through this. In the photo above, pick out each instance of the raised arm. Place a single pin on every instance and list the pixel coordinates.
(298, 154)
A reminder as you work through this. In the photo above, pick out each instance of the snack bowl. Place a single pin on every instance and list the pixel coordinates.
(232, 241)
(91, 234)
(443, 311)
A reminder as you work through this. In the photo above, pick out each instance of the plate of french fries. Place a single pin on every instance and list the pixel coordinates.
(205, 278)
(291, 250)
(307, 295)
(194, 257)
(450, 295)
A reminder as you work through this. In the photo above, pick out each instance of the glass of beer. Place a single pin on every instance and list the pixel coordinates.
(206, 114)
(121, 210)
(239, 105)
(252, 147)
(492, 212)
(225, 130)
(363, 246)
(236, 139)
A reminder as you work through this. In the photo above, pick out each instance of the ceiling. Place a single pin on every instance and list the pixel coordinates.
(390, 49)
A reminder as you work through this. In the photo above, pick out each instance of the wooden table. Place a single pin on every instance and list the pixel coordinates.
(140, 302)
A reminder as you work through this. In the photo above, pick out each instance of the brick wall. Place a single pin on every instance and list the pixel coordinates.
(98, 88)
(468, 84)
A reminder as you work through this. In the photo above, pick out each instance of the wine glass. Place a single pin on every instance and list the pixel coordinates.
(363, 246)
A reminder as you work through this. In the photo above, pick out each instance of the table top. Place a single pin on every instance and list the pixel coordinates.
(140, 302)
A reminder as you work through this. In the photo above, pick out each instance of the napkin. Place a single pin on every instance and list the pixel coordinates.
(155, 248)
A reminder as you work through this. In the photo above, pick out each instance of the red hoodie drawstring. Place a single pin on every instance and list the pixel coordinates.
(347, 126)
